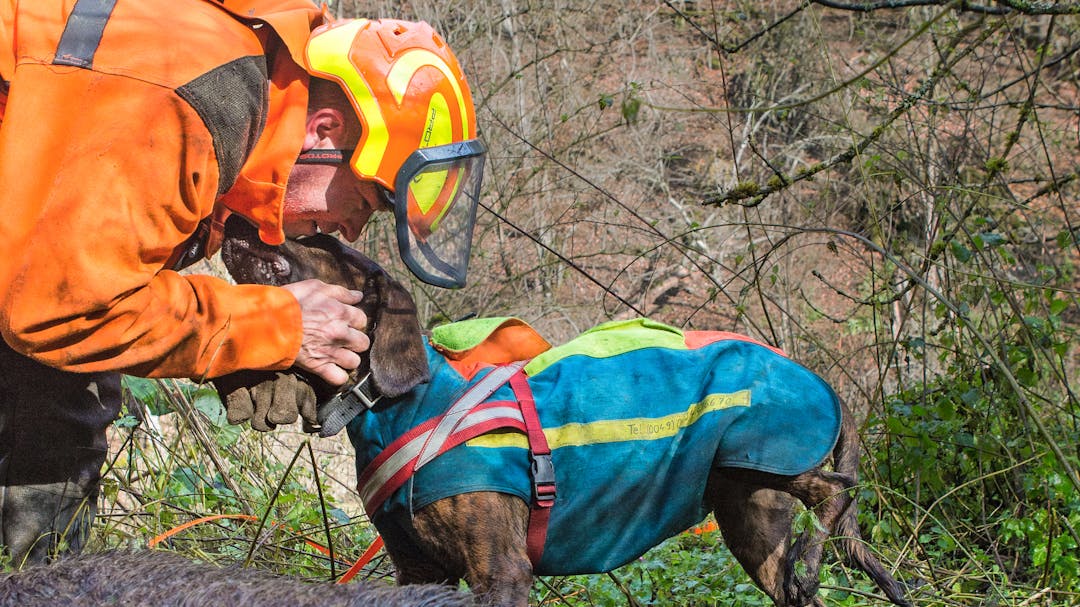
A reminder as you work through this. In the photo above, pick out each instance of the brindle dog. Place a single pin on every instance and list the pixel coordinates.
(481, 536)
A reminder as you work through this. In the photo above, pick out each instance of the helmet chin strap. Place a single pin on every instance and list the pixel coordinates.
(325, 156)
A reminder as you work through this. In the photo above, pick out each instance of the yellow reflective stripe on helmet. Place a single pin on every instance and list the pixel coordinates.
(427, 186)
(328, 53)
(406, 67)
(437, 132)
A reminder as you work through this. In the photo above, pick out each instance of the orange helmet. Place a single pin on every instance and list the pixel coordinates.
(418, 138)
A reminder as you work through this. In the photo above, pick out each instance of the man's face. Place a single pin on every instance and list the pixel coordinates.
(329, 197)
(321, 198)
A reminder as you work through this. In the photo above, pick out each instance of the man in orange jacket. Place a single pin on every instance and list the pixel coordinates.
(128, 132)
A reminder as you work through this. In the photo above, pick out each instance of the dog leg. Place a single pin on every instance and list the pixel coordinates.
(826, 493)
(483, 536)
(412, 564)
(756, 525)
(755, 511)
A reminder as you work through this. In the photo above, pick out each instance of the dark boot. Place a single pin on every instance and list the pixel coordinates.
(52, 448)
(38, 522)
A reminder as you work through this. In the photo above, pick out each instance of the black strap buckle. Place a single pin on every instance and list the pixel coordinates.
(362, 391)
(337, 412)
(543, 478)
(193, 249)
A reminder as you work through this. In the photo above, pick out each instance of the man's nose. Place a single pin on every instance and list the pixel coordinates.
(354, 224)
(350, 228)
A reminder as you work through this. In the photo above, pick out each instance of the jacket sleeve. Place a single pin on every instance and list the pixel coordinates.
(95, 198)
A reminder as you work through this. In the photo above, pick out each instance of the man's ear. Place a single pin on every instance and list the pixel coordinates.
(326, 128)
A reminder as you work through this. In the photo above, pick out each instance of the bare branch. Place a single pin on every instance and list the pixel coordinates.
(755, 193)
(1006, 6)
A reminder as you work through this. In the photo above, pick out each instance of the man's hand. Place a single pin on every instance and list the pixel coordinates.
(333, 330)
(267, 398)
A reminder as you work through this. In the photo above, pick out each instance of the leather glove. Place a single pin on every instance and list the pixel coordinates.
(268, 398)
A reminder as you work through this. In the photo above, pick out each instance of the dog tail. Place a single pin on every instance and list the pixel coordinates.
(846, 462)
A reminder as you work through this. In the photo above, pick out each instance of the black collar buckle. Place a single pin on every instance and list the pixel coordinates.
(337, 412)
(364, 392)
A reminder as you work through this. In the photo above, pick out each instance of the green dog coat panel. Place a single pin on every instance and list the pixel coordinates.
(636, 415)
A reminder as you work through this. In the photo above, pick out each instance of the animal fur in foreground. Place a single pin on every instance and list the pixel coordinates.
(165, 579)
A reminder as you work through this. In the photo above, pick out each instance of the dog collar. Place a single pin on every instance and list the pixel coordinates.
(335, 413)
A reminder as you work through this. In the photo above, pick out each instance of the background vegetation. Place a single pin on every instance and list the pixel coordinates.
(886, 190)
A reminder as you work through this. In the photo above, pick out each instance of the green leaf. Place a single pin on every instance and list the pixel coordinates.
(126, 421)
(631, 106)
(207, 401)
(962, 253)
(946, 409)
(992, 239)
(227, 435)
(149, 393)
(339, 516)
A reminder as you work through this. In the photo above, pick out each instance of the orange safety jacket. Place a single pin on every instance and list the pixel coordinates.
(122, 126)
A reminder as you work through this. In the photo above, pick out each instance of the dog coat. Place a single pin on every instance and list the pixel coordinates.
(636, 415)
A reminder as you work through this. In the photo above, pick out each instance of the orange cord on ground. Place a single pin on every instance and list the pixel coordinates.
(206, 519)
(350, 574)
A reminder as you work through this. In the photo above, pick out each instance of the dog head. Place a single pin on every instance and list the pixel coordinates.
(396, 359)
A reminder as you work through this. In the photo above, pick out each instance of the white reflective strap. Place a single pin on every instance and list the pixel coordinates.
(480, 417)
(426, 446)
(391, 466)
(401, 458)
(477, 394)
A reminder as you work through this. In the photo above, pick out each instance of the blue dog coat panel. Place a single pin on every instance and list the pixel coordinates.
(636, 415)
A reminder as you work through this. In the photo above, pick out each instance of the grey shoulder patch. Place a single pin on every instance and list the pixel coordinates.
(232, 101)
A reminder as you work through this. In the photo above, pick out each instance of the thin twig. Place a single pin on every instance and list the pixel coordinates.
(270, 505)
(322, 507)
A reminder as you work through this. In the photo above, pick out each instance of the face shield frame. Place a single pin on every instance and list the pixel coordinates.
(435, 243)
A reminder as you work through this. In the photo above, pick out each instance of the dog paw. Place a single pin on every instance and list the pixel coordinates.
(800, 584)
(800, 591)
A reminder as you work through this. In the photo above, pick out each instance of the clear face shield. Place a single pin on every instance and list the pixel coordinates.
(435, 197)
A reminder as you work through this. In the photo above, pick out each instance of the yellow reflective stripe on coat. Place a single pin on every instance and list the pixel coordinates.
(619, 430)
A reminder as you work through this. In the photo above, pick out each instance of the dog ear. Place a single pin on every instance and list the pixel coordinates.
(398, 359)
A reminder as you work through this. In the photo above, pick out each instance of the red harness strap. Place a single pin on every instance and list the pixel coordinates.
(543, 472)
(469, 417)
